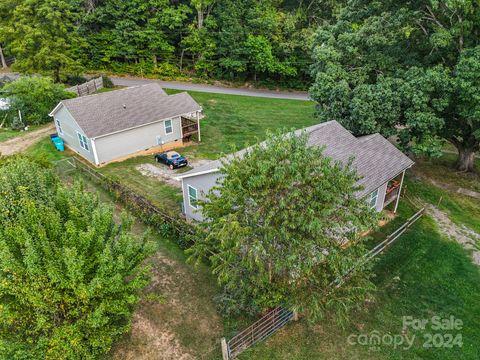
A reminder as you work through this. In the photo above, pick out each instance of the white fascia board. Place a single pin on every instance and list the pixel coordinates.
(180, 177)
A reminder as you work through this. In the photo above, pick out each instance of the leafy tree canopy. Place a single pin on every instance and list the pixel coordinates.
(282, 224)
(69, 275)
(42, 35)
(35, 97)
(403, 68)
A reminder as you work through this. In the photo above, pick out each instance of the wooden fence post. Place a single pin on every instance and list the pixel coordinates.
(225, 354)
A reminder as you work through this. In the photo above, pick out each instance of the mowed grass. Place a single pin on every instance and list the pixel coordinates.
(161, 194)
(232, 120)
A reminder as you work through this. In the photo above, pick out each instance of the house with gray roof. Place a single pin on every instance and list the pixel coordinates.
(379, 163)
(118, 124)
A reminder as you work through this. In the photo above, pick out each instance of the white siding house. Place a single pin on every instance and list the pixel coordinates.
(379, 163)
(117, 124)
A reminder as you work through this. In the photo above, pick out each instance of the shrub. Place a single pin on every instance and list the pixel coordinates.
(107, 82)
(35, 97)
(73, 80)
(69, 275)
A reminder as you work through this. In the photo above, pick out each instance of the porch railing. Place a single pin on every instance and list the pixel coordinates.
(189, 127)
(391, 196)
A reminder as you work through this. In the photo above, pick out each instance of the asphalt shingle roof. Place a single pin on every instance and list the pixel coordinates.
(123, 109)
(375, 159)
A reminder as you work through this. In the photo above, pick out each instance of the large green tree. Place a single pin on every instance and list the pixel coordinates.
(282, 225)
(41, 34)
(403, 68)
(69, 274)
(34, 97)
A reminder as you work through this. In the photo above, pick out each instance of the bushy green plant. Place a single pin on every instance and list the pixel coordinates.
(107, 82)
(69, 274)
(35, 97)
(75, 80)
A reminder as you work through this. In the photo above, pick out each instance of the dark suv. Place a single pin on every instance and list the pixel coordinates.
(171, 158)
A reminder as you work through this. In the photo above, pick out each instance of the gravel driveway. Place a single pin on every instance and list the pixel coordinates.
(163, 173)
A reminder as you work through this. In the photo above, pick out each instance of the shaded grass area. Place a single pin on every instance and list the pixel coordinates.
(421, 275)
(461, 209)
(443, 170)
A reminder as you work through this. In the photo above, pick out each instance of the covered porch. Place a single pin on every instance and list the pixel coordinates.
(393, 190)
(190, 127)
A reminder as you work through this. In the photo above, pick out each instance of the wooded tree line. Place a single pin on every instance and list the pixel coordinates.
(231, 39)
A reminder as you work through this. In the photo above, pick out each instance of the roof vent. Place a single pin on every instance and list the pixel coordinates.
(124, 106)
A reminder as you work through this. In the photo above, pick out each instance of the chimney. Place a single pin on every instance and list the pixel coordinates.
(124, 106)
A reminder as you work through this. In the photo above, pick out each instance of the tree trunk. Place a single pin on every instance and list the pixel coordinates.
(154, 58)
(200, 18)
(56, 75)
(2, 58)
(465, 160)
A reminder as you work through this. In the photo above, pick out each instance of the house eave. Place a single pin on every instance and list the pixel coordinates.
(180, 177)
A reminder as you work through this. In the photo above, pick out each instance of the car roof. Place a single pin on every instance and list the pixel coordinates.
(171, 154)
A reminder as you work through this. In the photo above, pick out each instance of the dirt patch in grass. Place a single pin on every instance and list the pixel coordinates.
(466, 237)
(24, 141)
(176, 318)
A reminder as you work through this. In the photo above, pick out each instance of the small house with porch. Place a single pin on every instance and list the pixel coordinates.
(119, 124)
(378, 162)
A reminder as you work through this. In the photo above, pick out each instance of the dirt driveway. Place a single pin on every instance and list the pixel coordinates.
(21, 143)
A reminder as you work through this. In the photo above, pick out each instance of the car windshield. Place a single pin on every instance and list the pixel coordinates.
(174, 156)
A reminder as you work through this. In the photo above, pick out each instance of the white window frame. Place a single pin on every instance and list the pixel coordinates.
(59, 127)
(83, 141)
(189, 197)
(371, 196)
(170, 126)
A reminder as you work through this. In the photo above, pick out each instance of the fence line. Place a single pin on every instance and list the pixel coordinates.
(265, 326)
(88, 87)
(148, 213)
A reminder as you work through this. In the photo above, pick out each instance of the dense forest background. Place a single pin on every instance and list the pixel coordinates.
(265, 41)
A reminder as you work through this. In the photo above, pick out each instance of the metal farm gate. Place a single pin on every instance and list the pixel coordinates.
(273, 321)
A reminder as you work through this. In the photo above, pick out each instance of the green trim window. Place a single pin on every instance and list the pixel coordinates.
(372, 198)
(192, 197)
(168, 126)
(83, 141)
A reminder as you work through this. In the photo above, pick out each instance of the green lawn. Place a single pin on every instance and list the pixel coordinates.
(161, 194)
(443, 170)
(241, 120)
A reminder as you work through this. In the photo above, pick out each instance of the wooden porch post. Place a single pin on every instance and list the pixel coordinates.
(399, 192)
(198, 126)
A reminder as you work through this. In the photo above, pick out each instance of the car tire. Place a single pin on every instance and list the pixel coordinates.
(172, 167)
